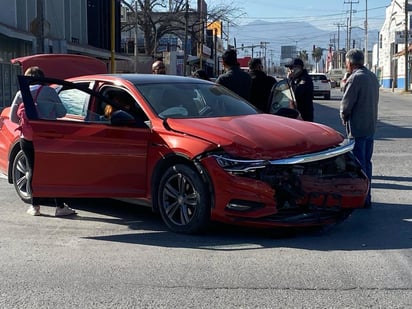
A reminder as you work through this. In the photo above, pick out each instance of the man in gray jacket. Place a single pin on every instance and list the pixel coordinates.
(359, 110)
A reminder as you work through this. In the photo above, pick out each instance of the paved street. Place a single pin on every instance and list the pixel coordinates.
(115, 255)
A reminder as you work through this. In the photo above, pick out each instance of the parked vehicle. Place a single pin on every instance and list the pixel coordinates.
(190, 149)
(321, 85)
(335, 76)
(343, 81)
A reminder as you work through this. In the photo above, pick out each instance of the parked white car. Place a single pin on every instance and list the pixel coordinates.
(321, 85)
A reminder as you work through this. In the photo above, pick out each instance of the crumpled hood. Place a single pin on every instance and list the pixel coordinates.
(261, 136)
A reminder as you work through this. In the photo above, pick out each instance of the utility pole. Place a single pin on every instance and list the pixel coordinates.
(136, 50)
(347, 45)
(366, 35)
(264, 45)
(350, 19)
(338, 50)
(112, 37)
(186, 38)
(406, 46)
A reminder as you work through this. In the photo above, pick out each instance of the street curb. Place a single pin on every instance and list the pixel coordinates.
(396, 91)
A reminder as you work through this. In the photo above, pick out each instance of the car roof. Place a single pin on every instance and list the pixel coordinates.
(140, 79)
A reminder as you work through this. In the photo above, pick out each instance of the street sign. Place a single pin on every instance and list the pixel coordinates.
(400, 37)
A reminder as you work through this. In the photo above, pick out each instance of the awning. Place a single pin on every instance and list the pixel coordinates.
(193, 60)
(402, 52)
(15, 33)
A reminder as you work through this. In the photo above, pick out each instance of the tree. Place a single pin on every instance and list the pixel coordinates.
(156, 18)
(303, 54)
(317, 56)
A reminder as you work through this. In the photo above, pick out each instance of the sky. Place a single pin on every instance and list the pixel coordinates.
(326, 15)
(321, 13)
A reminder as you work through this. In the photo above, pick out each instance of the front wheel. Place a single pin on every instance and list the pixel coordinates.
(21, 177)
(184, 201)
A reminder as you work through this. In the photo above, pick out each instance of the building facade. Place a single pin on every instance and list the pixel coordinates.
(54, 26)
(392, 70)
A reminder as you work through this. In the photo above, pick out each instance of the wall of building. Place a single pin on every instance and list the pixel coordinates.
(391, 69)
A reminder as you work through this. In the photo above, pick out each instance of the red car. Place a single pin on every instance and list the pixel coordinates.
(190, 149)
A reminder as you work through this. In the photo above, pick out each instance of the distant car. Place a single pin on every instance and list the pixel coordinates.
(335, 75)
(191, 150)
(321, 85)
(343, 81)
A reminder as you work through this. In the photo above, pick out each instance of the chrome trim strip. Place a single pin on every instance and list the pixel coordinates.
(344, 147)
(251, 165)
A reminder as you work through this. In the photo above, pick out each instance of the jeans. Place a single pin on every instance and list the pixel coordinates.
(363, 152)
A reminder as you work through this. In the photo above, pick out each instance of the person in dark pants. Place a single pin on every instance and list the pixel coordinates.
(49, 106)
(302, 86)
(261, 85)
(234, 78)
(359, 110)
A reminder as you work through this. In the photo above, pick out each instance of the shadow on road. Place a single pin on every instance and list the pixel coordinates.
(384, 227)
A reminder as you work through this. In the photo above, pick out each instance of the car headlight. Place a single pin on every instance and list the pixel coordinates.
(233, 165)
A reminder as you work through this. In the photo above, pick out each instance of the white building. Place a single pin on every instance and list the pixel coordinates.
(391, 50)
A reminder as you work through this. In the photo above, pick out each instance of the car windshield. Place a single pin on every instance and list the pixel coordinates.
(194, 100)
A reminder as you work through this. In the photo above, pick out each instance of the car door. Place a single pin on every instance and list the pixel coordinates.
(76, 157)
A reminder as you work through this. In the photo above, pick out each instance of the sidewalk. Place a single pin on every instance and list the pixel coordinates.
(400, 91)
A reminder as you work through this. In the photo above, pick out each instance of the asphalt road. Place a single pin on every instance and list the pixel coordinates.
(115, 255)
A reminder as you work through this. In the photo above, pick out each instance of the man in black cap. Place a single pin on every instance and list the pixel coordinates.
(302, 86)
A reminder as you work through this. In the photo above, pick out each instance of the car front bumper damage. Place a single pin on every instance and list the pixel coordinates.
(303, 190)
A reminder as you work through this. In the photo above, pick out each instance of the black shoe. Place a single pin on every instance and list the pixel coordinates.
(367, 205)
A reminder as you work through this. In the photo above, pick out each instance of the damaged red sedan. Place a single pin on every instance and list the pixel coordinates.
(190, 149)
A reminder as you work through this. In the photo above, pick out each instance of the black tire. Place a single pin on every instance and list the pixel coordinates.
(21, 177)
(327, 97)
(184, 201)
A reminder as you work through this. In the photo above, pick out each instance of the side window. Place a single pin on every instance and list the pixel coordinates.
(118, 99)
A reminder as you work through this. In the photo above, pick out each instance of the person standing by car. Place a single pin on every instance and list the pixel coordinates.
(201, 74)
(234, 78)
(302, 86)
(261, 85)
(49, 106)
(158, 67)
(359, 110)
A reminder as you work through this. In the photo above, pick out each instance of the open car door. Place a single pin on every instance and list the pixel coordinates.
(75, 157)
(282, 100)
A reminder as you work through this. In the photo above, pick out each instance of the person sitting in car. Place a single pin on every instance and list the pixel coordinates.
(123, 103)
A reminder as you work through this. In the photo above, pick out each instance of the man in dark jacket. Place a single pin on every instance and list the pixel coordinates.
(234, 79)
(302, 86)
(261, 85)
